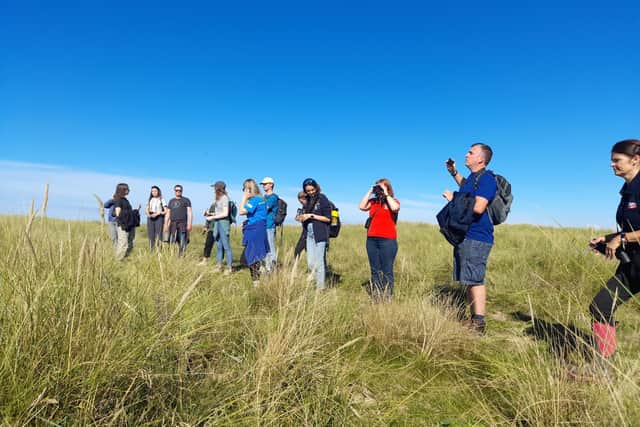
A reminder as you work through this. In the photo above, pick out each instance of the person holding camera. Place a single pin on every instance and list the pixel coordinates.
(315, 220)
(382, 244)
(254, 229)
(470, 257)
(218, 228)
(624, 245)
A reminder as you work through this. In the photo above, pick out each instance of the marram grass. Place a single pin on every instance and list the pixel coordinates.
(159, 340)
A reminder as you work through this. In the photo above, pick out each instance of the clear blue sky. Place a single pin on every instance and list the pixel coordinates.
(346, 92)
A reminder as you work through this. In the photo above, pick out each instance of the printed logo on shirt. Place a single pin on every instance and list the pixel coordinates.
(632, 205)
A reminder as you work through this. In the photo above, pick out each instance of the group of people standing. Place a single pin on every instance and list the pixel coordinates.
(174, 222)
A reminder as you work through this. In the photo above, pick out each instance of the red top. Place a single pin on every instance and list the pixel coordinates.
(382, 224)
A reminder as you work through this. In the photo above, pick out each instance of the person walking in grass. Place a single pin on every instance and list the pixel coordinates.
(271, 199)
(178, 219)
(382, 244)
(219, 228)
(625, 283)
(315, 221)
(470, 257)
(254, 229)
(155, 216)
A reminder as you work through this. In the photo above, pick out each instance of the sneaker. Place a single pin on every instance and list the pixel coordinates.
(228, 271)
(475, 326)
(203, 262)
(217, 269)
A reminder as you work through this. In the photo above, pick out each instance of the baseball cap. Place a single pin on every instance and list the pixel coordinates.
(267, 180)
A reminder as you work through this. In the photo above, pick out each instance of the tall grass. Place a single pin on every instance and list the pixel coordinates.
(158, 340)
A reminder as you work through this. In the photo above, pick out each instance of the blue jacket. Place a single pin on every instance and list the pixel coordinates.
(456, 217)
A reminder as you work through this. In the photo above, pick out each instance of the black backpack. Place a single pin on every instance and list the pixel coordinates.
(129, 218)
(334, 225)
(500, 206)
(233, 212)
(281, 212)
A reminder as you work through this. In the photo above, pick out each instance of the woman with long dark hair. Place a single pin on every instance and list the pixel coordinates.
(315, 221)
(155, 215)
(382, 244)
(624, 245)
(125, 229)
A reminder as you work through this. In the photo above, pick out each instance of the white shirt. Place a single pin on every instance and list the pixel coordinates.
(156, 204)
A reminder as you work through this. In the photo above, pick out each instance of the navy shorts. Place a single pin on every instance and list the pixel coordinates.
(470, 262)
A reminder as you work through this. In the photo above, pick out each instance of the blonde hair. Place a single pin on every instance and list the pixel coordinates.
(252, 185)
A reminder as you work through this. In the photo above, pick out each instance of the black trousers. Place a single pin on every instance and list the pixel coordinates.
(619, 289)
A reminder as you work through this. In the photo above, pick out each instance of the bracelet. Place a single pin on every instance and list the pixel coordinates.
(454, 172)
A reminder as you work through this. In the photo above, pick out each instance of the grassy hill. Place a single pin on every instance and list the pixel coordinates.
(158, 340)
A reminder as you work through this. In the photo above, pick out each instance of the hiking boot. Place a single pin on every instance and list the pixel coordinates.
(475, 326)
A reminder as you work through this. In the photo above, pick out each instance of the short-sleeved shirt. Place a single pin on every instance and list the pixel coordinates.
(628, 213)
(220, 204)
(481, 228)
(156, 205)
(256, 208)
(272, 209)
(382, 223)
(179, 209)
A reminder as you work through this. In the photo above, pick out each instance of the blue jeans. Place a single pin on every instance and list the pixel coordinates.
(315, 257)
(178, 233)
(382, 253)
(271, 256)
(113, 233)
(223, 246)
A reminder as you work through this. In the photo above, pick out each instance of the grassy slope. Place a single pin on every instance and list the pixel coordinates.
(158, 340)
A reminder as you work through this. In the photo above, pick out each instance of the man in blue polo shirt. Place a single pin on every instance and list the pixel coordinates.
(470, 257)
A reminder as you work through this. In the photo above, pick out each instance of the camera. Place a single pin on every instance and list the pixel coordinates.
(622, 256)
(378, 191)
(450, 162)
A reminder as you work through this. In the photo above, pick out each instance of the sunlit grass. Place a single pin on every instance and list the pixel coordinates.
(158, 340)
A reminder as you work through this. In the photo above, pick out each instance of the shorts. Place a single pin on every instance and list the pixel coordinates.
(470, 262)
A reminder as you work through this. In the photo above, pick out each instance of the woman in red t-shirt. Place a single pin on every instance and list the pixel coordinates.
(382, 245)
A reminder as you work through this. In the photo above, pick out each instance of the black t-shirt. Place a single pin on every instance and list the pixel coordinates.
(178, 209)
(123, 204)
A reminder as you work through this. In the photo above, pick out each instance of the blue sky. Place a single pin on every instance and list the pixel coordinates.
(94, 93)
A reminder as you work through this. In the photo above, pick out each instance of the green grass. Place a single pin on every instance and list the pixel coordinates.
(158, 340)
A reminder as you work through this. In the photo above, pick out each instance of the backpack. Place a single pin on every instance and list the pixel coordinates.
(233, 212)
(128, 218)
(281, 212)
(334, 225)
(500, 206)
